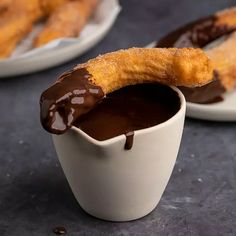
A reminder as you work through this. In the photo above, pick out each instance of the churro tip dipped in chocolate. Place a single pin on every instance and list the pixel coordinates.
(201, 32)
(216, 35)
(77, 91)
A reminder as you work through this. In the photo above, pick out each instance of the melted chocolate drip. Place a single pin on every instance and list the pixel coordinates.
(128, 109)
(71, 96)
(207, 94)
(199, 34)
(210, 93)
(59, 230)
(129, 140)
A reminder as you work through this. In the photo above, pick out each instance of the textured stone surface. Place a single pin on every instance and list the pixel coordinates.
(34, 196)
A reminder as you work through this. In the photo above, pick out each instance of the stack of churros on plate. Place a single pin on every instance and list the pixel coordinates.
(63, 18)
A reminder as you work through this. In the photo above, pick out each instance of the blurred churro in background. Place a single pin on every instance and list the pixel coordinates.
(4, 4)
(223, 58)
(64, 18)
(48, 6)
(67, 21)
(13, 29)
(16, 22)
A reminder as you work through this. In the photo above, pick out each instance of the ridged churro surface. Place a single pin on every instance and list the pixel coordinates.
(179, 67)
(67, 21)
(76, 92)
(201, 33)
(64, 18)
(223, 57)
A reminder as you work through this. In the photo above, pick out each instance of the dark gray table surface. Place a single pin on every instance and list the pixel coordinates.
(200, 198)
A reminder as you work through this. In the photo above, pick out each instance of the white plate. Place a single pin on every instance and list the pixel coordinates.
(58, 51)
(222, 111)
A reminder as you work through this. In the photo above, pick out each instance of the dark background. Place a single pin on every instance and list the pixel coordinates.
(34, 195)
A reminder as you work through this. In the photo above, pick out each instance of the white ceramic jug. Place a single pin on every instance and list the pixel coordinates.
(116, 184)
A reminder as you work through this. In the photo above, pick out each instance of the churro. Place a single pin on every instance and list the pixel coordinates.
(77, 91)
(67, 21)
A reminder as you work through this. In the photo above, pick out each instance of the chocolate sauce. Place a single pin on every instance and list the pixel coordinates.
(199, 34)
(196, 34)
(128, 109)
(59, 230)
(129, 140)
(71, 96)
(210, 93)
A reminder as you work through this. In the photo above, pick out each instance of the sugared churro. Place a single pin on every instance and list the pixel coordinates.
(66, 18)
(224, 58)
(78, 91)
(67, 21)
(16, 22)
(215, 35)
(4, 4)
(49, 6)
(12, 31)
